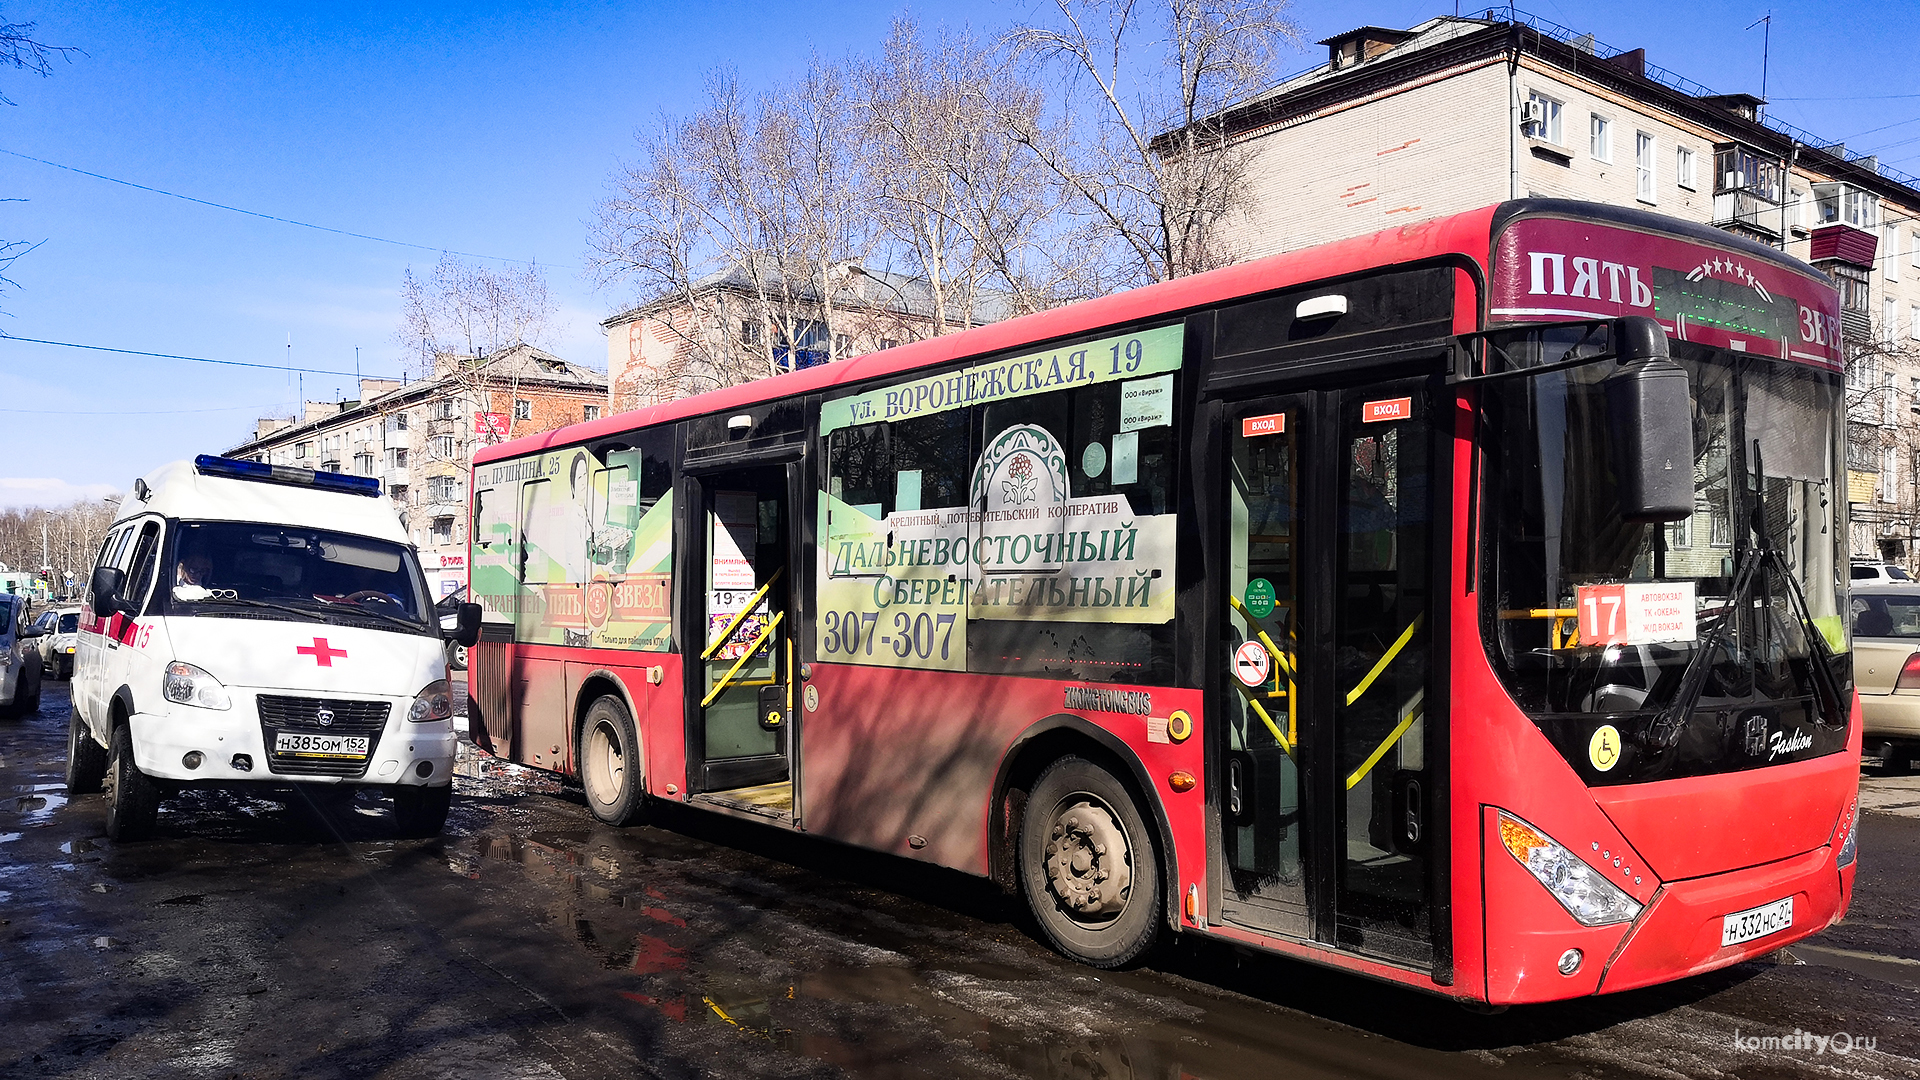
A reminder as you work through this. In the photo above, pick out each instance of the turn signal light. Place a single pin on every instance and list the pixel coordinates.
(1909, 674)
(1181, 781)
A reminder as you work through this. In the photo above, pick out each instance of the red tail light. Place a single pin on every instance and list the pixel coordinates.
(1909, 674)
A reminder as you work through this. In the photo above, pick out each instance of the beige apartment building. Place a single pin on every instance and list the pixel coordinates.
(1459, 113)
(737, 324)
(418, 438)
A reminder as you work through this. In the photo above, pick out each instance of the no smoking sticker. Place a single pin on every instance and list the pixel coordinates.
(1251, 664)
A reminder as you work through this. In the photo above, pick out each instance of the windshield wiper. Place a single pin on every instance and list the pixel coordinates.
(268, 604)
(355, 609)
(1666, 729)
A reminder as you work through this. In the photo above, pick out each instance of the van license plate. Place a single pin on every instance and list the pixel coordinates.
(295, 744)
(1756, 922)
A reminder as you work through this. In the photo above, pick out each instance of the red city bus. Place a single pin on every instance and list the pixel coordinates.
(1460, 605)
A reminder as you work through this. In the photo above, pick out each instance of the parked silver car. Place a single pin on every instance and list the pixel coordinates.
(19, 659)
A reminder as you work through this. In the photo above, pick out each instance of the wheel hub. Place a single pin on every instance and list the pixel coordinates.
(1088, 864)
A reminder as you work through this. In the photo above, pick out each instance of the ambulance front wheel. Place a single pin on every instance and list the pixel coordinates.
(421, 811)
(612, 768)
(133, 799)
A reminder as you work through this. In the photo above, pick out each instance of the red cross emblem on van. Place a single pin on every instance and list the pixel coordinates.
(321, 652)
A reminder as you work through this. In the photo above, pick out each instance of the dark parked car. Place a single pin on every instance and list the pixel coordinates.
(19, 659)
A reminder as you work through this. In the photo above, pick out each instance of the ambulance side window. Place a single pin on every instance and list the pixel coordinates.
(146, 556)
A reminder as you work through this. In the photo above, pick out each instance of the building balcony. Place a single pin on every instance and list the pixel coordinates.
(1844, 243)
(1747, 213)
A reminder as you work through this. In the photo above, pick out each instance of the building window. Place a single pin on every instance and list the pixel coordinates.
(1680, 535)
(363, 464)
(1913, 240)
(888, 343)
(1643, 165)
(440, 489)
(842, 346)
(1853, 286)
(1600, 138)
(1913, 388)
(330, 466)
(1543, 120)
(1913, 329)
(522, 409)
(399, 493)
(591, 412)
(1889, 314)
(1844, 204)
(443, 530)
(300, 449)
(1889, 491)
(397, 458)
(1890, 258)
(1889, 407)
(443, 447)
(1736, 168)
(397, 422)
(1683, 167)
(445, 410)
(749, 332)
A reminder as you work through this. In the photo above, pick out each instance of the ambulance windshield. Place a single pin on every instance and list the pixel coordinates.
(237, 569)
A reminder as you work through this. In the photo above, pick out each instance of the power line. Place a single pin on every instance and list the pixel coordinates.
(176, 356)
(258, 214)
(135, 412)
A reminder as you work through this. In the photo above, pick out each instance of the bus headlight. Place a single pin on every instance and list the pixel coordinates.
(188, 685)
(433, 703)
(1849, 846)
(1587, 895)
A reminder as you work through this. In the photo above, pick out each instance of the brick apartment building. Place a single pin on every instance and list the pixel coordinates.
(419, 437)
(1459, 113)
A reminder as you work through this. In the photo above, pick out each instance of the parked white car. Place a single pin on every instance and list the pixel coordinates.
(254, 626)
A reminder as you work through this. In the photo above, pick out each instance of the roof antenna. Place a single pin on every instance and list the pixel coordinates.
(1766, 49)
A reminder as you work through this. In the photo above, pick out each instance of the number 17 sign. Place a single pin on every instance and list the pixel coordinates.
(1637, 613)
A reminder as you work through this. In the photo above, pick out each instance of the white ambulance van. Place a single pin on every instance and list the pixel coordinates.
(263, 627)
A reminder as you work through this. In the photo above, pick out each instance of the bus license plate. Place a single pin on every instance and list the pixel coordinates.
(1756, 922)
(295, 744)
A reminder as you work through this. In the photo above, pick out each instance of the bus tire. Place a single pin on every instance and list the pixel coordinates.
(1088, 865)
(612, 771)
(133, 799)
(86, 758)
(421, 811)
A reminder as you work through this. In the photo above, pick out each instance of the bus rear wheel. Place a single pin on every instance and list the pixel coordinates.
(612, 770)
(1088, 865)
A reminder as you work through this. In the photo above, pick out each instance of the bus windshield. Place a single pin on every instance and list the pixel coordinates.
(1590, 616)
(239, 569)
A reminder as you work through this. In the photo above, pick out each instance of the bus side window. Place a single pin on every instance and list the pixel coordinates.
(534, 505)
(860, 486)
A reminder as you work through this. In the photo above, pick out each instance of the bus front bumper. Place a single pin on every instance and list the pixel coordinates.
(1680, 933)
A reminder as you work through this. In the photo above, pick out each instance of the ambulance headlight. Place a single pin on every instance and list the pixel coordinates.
(189, 685)
(433, 703)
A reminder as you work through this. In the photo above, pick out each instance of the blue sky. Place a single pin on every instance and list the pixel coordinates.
(491, 129)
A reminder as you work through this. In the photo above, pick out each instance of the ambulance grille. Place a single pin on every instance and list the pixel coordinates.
(277, 713)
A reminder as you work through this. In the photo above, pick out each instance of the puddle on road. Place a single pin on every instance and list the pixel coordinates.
(9, 837)
(78, 847)
(700, 955)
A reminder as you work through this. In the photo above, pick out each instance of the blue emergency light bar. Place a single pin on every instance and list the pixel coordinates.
(209, 465)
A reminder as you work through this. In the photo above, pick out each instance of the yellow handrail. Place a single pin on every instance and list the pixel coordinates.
(752, 602)
(1286, 744)
(1405, 636)
(1559, 617)
(744, 657)
(1414, 712)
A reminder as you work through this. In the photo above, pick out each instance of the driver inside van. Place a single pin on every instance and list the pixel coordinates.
(193, 572)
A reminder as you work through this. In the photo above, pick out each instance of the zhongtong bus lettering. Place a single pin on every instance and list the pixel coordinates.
(1460, 606)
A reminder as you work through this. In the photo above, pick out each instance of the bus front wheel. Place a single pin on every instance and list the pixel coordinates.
(1088, 865)
(611, 767)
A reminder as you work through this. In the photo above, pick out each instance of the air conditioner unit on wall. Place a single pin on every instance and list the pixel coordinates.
(1532, 112)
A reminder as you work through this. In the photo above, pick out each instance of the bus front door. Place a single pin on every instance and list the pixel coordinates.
(1326, 798)
(741, 689)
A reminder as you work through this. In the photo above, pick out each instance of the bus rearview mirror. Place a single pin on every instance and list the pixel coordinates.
(1650, 424)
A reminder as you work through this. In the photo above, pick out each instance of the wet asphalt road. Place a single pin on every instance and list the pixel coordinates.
(257, 940)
